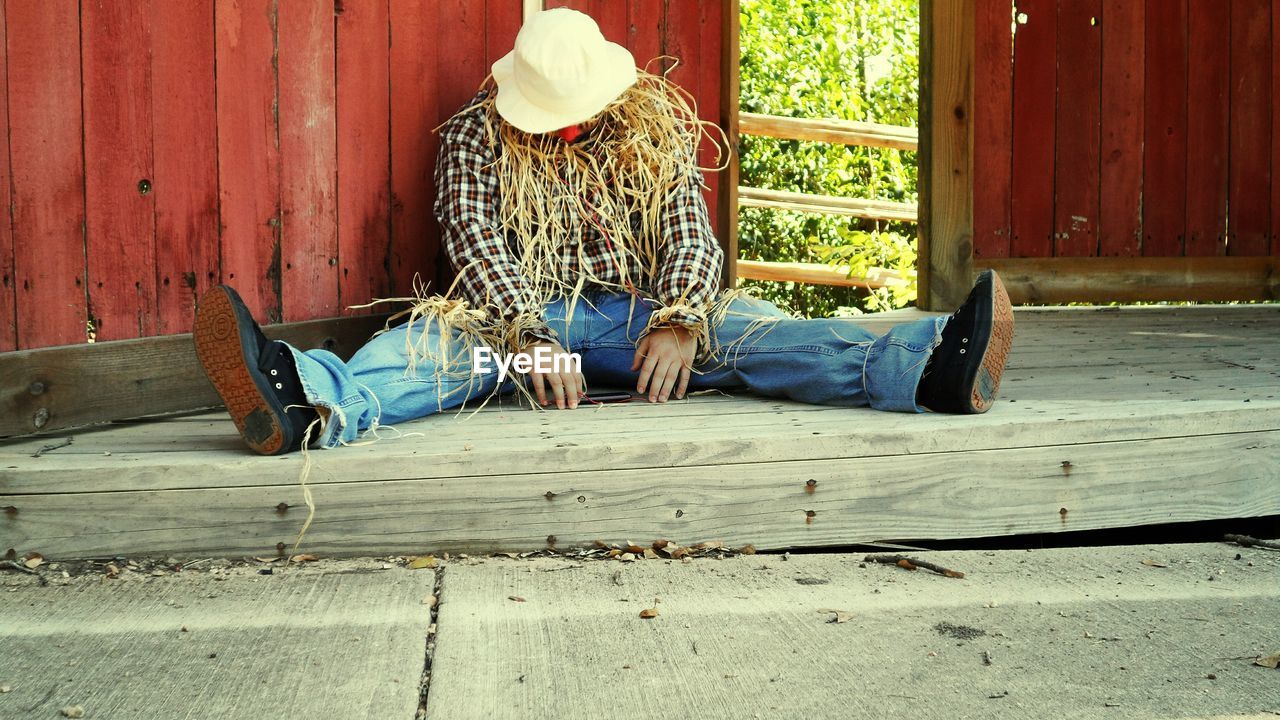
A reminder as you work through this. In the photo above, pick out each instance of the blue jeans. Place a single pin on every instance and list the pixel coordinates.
(824, 361)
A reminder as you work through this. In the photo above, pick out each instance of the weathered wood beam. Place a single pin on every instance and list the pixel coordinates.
(805, 202)
(1137, 279)
(66, 386)
(817, 274)
(730, 56)
(842, 132)
(934, 495)
(946, 152)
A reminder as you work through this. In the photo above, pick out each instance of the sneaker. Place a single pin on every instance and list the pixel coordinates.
(963, 372)
(256, 377)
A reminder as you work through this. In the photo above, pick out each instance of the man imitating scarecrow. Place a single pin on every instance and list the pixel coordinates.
(570, 201)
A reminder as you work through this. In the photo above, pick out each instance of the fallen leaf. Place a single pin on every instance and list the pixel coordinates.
(1153, 563)
(747, 550)
(906, 564)
(837, 616)
(1269, 661)
(112, 571)
(634, 549)
(266, 559)
(649, 554)
(515, 598)
(711, 545)
(429, 601)
(425, 561)
(33, 560)
(305, 557)
(73, 711)
(627, 557)
(680, 553)
(5, 689)
(649, 613)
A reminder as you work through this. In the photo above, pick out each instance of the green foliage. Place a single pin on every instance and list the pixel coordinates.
(852, 61)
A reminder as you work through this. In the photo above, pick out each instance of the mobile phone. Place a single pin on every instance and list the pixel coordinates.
(611, 397)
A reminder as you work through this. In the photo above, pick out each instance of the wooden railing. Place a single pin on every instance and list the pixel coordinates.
(840, 132)
(830, 204)
(844, 132)
(817, 274)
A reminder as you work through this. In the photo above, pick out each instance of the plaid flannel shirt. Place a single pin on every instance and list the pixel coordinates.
(467, 201)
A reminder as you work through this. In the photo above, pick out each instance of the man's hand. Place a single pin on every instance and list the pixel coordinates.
(664, 358)
(567, 387)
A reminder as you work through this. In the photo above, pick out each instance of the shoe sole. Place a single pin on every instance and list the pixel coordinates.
(986, 385)
(223, 353)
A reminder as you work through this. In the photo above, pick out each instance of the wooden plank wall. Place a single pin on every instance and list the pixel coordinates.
(47, 182)
(1124, 128)
(689, 31)
(151, 149)
(8, 313)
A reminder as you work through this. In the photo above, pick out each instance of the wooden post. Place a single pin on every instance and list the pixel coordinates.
(530, 7)
(946, 152)
(729, 90)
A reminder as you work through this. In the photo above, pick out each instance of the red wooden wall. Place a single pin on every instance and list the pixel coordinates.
(151, 148)
(1126, 128)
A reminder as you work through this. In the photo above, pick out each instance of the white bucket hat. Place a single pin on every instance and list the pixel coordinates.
(561, 72)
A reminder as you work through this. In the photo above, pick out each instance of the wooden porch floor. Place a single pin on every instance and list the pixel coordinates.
(1108, 418)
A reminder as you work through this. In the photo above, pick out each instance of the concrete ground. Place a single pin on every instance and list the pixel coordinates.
(1167, 631)
(344, 641)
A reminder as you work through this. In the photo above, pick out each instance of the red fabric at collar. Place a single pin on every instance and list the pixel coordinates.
(569, 134)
